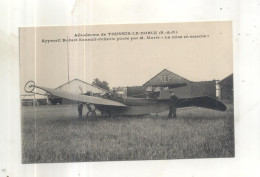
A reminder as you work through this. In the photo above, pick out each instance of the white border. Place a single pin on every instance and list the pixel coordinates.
(245, 17)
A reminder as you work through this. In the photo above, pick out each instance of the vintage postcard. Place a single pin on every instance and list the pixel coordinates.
(126, 92)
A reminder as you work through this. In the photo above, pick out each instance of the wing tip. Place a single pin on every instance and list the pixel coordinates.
(223, 108)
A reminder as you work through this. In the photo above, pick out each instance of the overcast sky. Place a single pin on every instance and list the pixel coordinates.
(125, 63)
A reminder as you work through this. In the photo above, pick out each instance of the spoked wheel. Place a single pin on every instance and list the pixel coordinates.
(91, 115)
(29, 87)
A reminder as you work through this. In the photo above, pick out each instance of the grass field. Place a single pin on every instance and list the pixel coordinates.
(55, 134)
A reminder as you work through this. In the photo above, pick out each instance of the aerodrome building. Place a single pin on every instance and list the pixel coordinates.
(182, 87)
(226, 89)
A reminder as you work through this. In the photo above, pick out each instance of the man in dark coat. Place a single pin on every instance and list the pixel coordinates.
(172, 105)
(80, 107)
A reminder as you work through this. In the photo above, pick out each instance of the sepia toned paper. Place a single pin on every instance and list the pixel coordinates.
(125, 56)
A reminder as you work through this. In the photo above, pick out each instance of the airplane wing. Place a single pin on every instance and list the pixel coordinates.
(82, 98)
(204, 102)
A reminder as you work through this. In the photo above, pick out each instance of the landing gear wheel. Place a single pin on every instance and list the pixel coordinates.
(91, 115)
(105, 114)
(29, 87)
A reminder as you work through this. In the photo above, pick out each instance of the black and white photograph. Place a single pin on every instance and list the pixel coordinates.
(126, 92)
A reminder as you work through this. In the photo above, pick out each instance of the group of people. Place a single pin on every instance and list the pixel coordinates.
(80, 105)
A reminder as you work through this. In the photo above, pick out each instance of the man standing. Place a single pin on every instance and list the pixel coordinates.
(172, 105)
(80, 107)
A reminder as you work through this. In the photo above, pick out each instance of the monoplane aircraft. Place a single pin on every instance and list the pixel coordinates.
(109, 104)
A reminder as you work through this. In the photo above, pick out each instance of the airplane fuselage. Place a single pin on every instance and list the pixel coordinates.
(136, 106)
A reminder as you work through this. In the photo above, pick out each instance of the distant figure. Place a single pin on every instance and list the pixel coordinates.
(80, 108)
(172, 105)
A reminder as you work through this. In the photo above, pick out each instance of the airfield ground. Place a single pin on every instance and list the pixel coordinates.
(55, 134)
